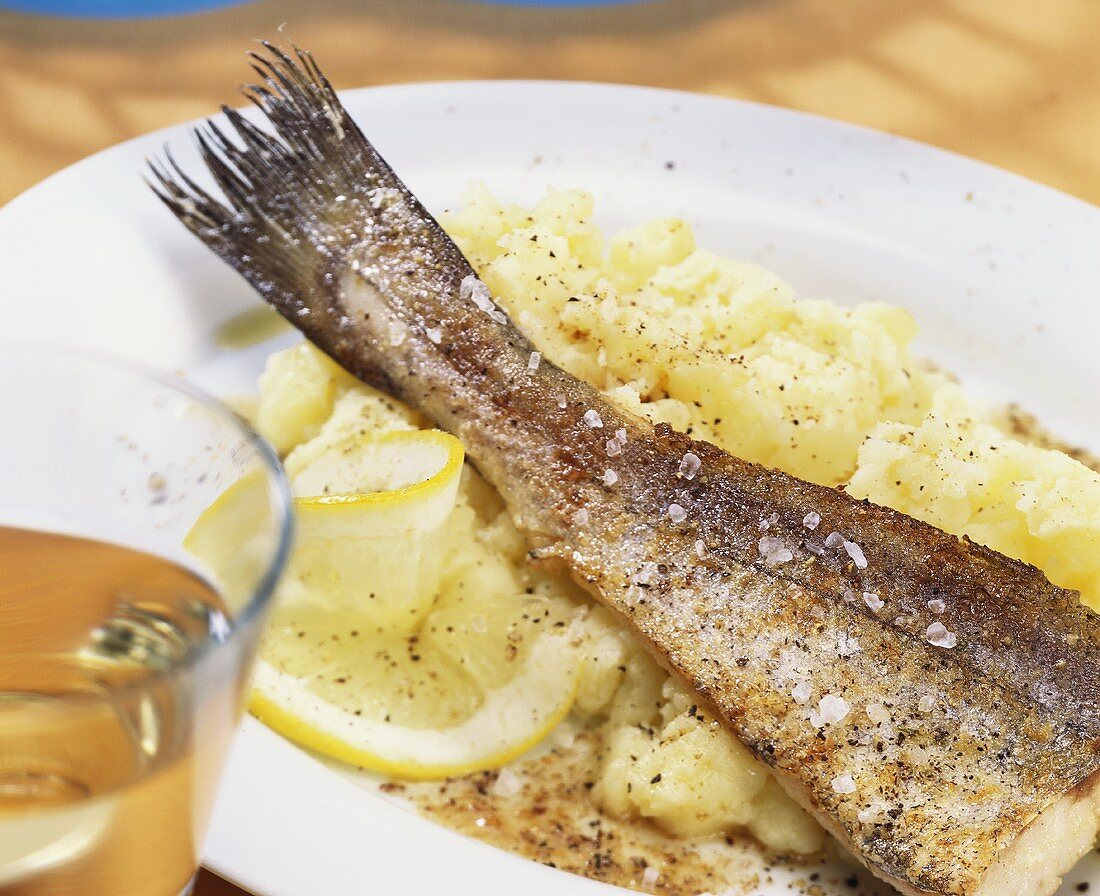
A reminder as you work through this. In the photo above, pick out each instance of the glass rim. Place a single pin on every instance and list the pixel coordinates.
(262, 592)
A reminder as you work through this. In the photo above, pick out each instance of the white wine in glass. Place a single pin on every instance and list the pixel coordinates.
(122, 660)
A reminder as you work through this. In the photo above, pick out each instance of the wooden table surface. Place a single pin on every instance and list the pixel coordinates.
(1013, 82)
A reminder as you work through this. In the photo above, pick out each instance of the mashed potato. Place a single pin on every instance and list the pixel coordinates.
(957, 470)
(717, 348)
(720, 349)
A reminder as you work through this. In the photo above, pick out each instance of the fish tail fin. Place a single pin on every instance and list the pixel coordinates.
(295, 200)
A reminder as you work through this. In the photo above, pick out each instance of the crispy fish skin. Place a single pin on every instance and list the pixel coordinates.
(932, 702)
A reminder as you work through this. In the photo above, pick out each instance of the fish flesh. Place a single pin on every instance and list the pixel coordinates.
(931, 702)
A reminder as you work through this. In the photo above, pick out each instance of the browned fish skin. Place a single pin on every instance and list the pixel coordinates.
(952, 751)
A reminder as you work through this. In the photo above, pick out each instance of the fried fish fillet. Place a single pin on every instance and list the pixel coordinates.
(930, 701)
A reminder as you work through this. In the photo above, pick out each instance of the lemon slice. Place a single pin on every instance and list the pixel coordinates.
(232, 538)
(407, 710)
(390, 647)
(371, 524)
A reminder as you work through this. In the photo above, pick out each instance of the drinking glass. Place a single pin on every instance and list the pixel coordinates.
(117, 706)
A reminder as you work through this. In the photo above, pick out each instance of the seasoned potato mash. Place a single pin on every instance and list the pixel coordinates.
(723, 350)
(959, 471)
(688, 774)
(717, 348)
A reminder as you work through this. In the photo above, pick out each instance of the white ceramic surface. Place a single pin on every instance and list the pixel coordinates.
(1002, 274)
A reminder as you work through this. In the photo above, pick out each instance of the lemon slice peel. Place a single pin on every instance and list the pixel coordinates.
(490, 738)
(432, 483)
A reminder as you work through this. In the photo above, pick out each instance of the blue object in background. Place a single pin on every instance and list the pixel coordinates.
(130, 9)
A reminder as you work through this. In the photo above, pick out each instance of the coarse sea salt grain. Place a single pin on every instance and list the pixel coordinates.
(802, 692)
(580, 517)
(811, 520)
(832, 708)
(620, 436)
(690, 464)
(937, 606)
(774, 551)
(650, 877)
(534, 361)
(878, 713)
(508, 783)
(676, 513)
(434, 334)
(610, 477)
(471, 285)
(844, 784)
(473, 290)
(939, 636)
(873, 601)
(834, 540)
(700, 548)
(613, 447)
(593, 419)
(562, 403)
(856, 553)
(926, 703)
(846, 645)
(871, 814)
(768, 522)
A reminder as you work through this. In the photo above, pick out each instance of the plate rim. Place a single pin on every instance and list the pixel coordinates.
(428, 87)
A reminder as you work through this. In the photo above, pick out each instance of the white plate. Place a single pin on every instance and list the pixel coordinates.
(1003, 275)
